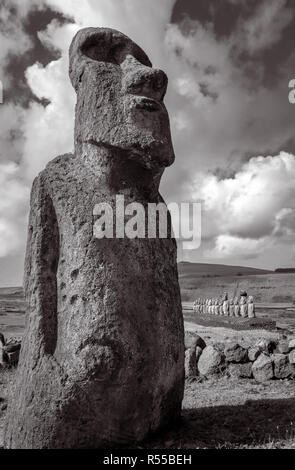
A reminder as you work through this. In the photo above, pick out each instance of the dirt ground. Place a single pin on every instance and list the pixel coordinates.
(220, 412)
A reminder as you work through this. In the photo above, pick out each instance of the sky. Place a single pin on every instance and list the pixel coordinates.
(229, 64)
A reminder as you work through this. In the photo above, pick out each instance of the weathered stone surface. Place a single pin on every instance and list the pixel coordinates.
(220, 346)
(292, 343)
(253, 353)
(282, 367)
(199, 342)
(192, 339)
(211, 361)
(266, 345)
(102, 361)
(262, 368)
(192, 356)
(235, 353)
(240, 370)
(190, 364)
(292, 357)
(198, 353)
(283, 347)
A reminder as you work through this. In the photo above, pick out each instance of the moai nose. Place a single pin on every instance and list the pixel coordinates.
(139, 79)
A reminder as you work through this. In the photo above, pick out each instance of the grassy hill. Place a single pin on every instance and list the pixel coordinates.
(211, 280)
(193, 270)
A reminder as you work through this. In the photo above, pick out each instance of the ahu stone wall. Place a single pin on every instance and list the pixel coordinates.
(264, 360)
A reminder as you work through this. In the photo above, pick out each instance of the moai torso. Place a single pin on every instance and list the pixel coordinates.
(251, 307)
(210, 306)
(237, 307)
(243, 307)
(216, 307)
(102, 358)
(231, 308)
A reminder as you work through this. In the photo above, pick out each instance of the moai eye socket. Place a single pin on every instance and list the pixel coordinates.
(110, 49)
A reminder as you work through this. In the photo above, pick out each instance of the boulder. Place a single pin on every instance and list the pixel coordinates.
(240, 370)
(235, 353)
(190, 364)
(192, 356)
(199, 342)
(266, 345)
(282, 367)
(219, 346)
(253, 353)
(13, 357)
(211, 361)
(192, 339)
(292, 357)
(292, 343)
(262, 368)
(198, 353)
(282, 347)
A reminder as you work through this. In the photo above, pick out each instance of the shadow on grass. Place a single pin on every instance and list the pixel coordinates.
(256, 422)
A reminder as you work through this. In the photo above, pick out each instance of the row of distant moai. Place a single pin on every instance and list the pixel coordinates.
(239, 306)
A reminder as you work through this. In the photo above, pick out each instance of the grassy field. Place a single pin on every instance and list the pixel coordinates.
(12, 311)
(220, 412)
(266, 287)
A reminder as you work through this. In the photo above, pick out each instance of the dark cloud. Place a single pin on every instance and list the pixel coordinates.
(17, 91)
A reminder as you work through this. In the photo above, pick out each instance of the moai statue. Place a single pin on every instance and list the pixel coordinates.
(102, 361)
(231, 308)
(243, 306)
(195, 306)
(220, 307)
(251, 307)
(216, 307)
(206, 306)
(210, 306)
(237, 307)
(203, 306)
(225, 304)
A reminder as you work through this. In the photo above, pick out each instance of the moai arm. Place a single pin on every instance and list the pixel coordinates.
(40, 269)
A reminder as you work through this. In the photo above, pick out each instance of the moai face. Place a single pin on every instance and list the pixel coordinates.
(119, 98)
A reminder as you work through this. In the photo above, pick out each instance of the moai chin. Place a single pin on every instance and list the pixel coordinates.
(102, 360)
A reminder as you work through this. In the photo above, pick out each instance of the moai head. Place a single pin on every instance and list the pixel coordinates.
(236, 300)
(225, 296)
(250, 299)
(119, 98)
(231, 301)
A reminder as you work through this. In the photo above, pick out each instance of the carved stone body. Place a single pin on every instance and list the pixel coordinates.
(102, 361)
(251, 307)
(237, 307)
(231, 308)
(243, 306)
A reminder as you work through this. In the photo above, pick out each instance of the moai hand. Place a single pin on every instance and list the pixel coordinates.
(102, 360)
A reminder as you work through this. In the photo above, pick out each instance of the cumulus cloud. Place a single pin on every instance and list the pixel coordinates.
(265, 27)
(13, 197)
(252, 210)
(218, 115)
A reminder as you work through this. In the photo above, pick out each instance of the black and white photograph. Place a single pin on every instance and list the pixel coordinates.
(147, 227)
